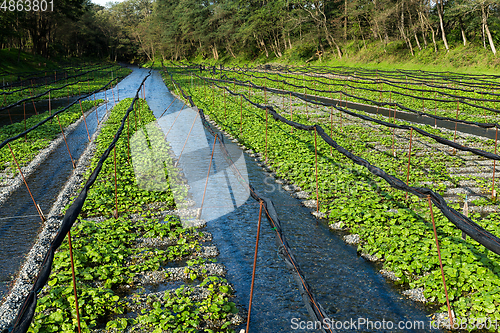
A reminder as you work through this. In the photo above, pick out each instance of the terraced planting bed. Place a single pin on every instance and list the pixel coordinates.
(475, 100)
(386, 226)
(138, 268)
(76, 83)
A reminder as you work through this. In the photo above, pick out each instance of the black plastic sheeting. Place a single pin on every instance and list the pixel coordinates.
(27, 311)
(13, 138)
(349, 74)
(313, 307)
(462, 222)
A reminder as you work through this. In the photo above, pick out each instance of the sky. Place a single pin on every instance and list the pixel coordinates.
(103, 2)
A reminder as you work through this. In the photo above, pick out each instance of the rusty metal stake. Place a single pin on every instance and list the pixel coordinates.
(116, 184)
(208, 174)
(254, 266)
(34, 106)
(266, 137)
(305, 101)
(84, 120)
(409, 159)
(331, 128)
(25, 183)
(128, 138)
(113, 92)
(316, 164)
(493, 192)
(24, 115)
(456, 123)
(241, 115)
(440, 261)
(74, 281)
(291, 113)
(64, 137)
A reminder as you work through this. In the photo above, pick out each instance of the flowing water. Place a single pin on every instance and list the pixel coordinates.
(347, 286)
(19, 221)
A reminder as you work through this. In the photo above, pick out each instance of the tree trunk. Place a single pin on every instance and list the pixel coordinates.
(464, 38)
(414, 31)
(402, 31)
(345, 20)
(440, 14)
(485, 24)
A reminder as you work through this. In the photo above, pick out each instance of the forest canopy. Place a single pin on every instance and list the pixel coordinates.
(147, 29)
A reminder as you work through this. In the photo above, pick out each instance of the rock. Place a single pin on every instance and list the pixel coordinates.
(353, 239)
(416, 294)
(389, 275)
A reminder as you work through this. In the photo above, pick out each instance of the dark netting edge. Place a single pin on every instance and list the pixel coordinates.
(420, 113)
(13, 138)
(62, 79)
(476, 232)
(27, 311)
(437, 138)
(314, 309)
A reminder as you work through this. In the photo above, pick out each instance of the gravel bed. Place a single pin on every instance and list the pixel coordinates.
(29, 271)
(352, 239)
(9, 185)
(177, 274)
(389, 275)
(416, 294)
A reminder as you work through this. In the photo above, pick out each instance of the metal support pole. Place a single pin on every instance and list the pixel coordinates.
(316, 164)
(241, 115)
(409, 159)
(74, 281)
(116, 184)
(291, 113)
(254, 266)
(456, 123)
(25, 183)
(64, 137)
(266, 136)
(493, 192)
(440, 261)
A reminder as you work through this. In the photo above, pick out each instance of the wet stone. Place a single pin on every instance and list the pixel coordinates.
(389, 275)
(416, 294)
(352, 239)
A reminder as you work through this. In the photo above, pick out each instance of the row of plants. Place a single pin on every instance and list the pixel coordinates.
(343, 88)
(396, 230)
(25, 149)
(110, 265)
(432, 167)
(92, 81)
(439, 163)
(53, 69)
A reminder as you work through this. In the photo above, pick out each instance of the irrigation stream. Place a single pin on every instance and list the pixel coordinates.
(19, 221)
(346, 285)
(20, 112)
